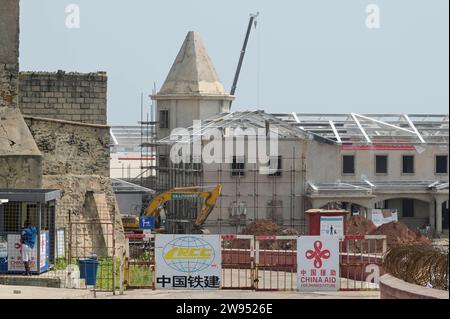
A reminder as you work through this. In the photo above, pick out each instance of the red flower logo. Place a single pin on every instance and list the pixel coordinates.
(318, 254)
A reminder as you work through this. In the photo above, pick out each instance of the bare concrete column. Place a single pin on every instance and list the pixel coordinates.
(431, 219)
(369, 213)
(439, 217)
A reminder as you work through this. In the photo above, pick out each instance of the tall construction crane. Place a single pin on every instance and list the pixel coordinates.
(251, 22)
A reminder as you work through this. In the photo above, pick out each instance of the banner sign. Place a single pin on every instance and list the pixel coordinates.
(44, 251)
(318, 263)
(15, 263)
(188, 261)
(384, 216)
(332, 226)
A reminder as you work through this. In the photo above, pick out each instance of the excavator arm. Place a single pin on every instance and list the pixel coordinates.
(207, 207)
(156, 204)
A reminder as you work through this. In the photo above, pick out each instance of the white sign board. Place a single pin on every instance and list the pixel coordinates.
(188, 261)
(377, 217)
(15, 262)
(318, 263)
(384, 216)
(395, 216)
(332, 226)
(60, 243)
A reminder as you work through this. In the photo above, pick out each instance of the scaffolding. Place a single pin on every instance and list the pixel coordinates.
(251, 195)
(245, 197)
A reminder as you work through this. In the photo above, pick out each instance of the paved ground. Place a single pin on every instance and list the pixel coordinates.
(279, 280)
(241, 294)
(26, 292)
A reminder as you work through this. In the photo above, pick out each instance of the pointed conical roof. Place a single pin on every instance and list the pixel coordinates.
(192, 73)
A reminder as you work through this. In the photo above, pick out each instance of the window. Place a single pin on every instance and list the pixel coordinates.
(408, 164)
(408, 207)
(164, 119)
(348, 164)
(381, 164)
(441, 164)
(238, 166)
(275, 165)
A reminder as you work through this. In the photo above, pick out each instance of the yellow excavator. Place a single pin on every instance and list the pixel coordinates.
(154, 208)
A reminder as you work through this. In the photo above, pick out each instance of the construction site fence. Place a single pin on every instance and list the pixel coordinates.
(263, 263)
(267, 263)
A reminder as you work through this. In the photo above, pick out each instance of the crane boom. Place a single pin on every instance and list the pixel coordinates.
(241, 58)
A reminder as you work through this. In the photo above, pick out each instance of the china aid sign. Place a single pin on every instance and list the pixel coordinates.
(318, 263)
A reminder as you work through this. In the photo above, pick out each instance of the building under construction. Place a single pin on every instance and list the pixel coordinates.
(358, 162)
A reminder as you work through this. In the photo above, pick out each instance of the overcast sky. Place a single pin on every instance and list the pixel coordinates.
(304, 56)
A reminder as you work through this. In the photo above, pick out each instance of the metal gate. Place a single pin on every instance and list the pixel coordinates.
(276, 263)
(94, 238)
(361, 261)
(238, 262)
(139, 262)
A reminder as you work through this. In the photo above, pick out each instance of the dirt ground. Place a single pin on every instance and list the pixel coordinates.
(397, 233)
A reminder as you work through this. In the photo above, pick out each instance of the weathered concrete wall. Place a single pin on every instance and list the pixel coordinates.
(20, 158)
(77, 197)
(101, 233)
(183, 112)
(9, 52)
(71, 148)
(394, 288)
(9, 31)
(8, 85)
(20, 172)
(77, 97)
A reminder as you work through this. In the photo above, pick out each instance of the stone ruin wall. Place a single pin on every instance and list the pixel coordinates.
(8, 84)
(41, 152)
(9, 52)
(79, 97)
(76, 160)
(71, 148)
(87, 197)
(20, 159)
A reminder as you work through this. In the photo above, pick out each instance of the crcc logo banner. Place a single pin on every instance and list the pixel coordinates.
(188, 261)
